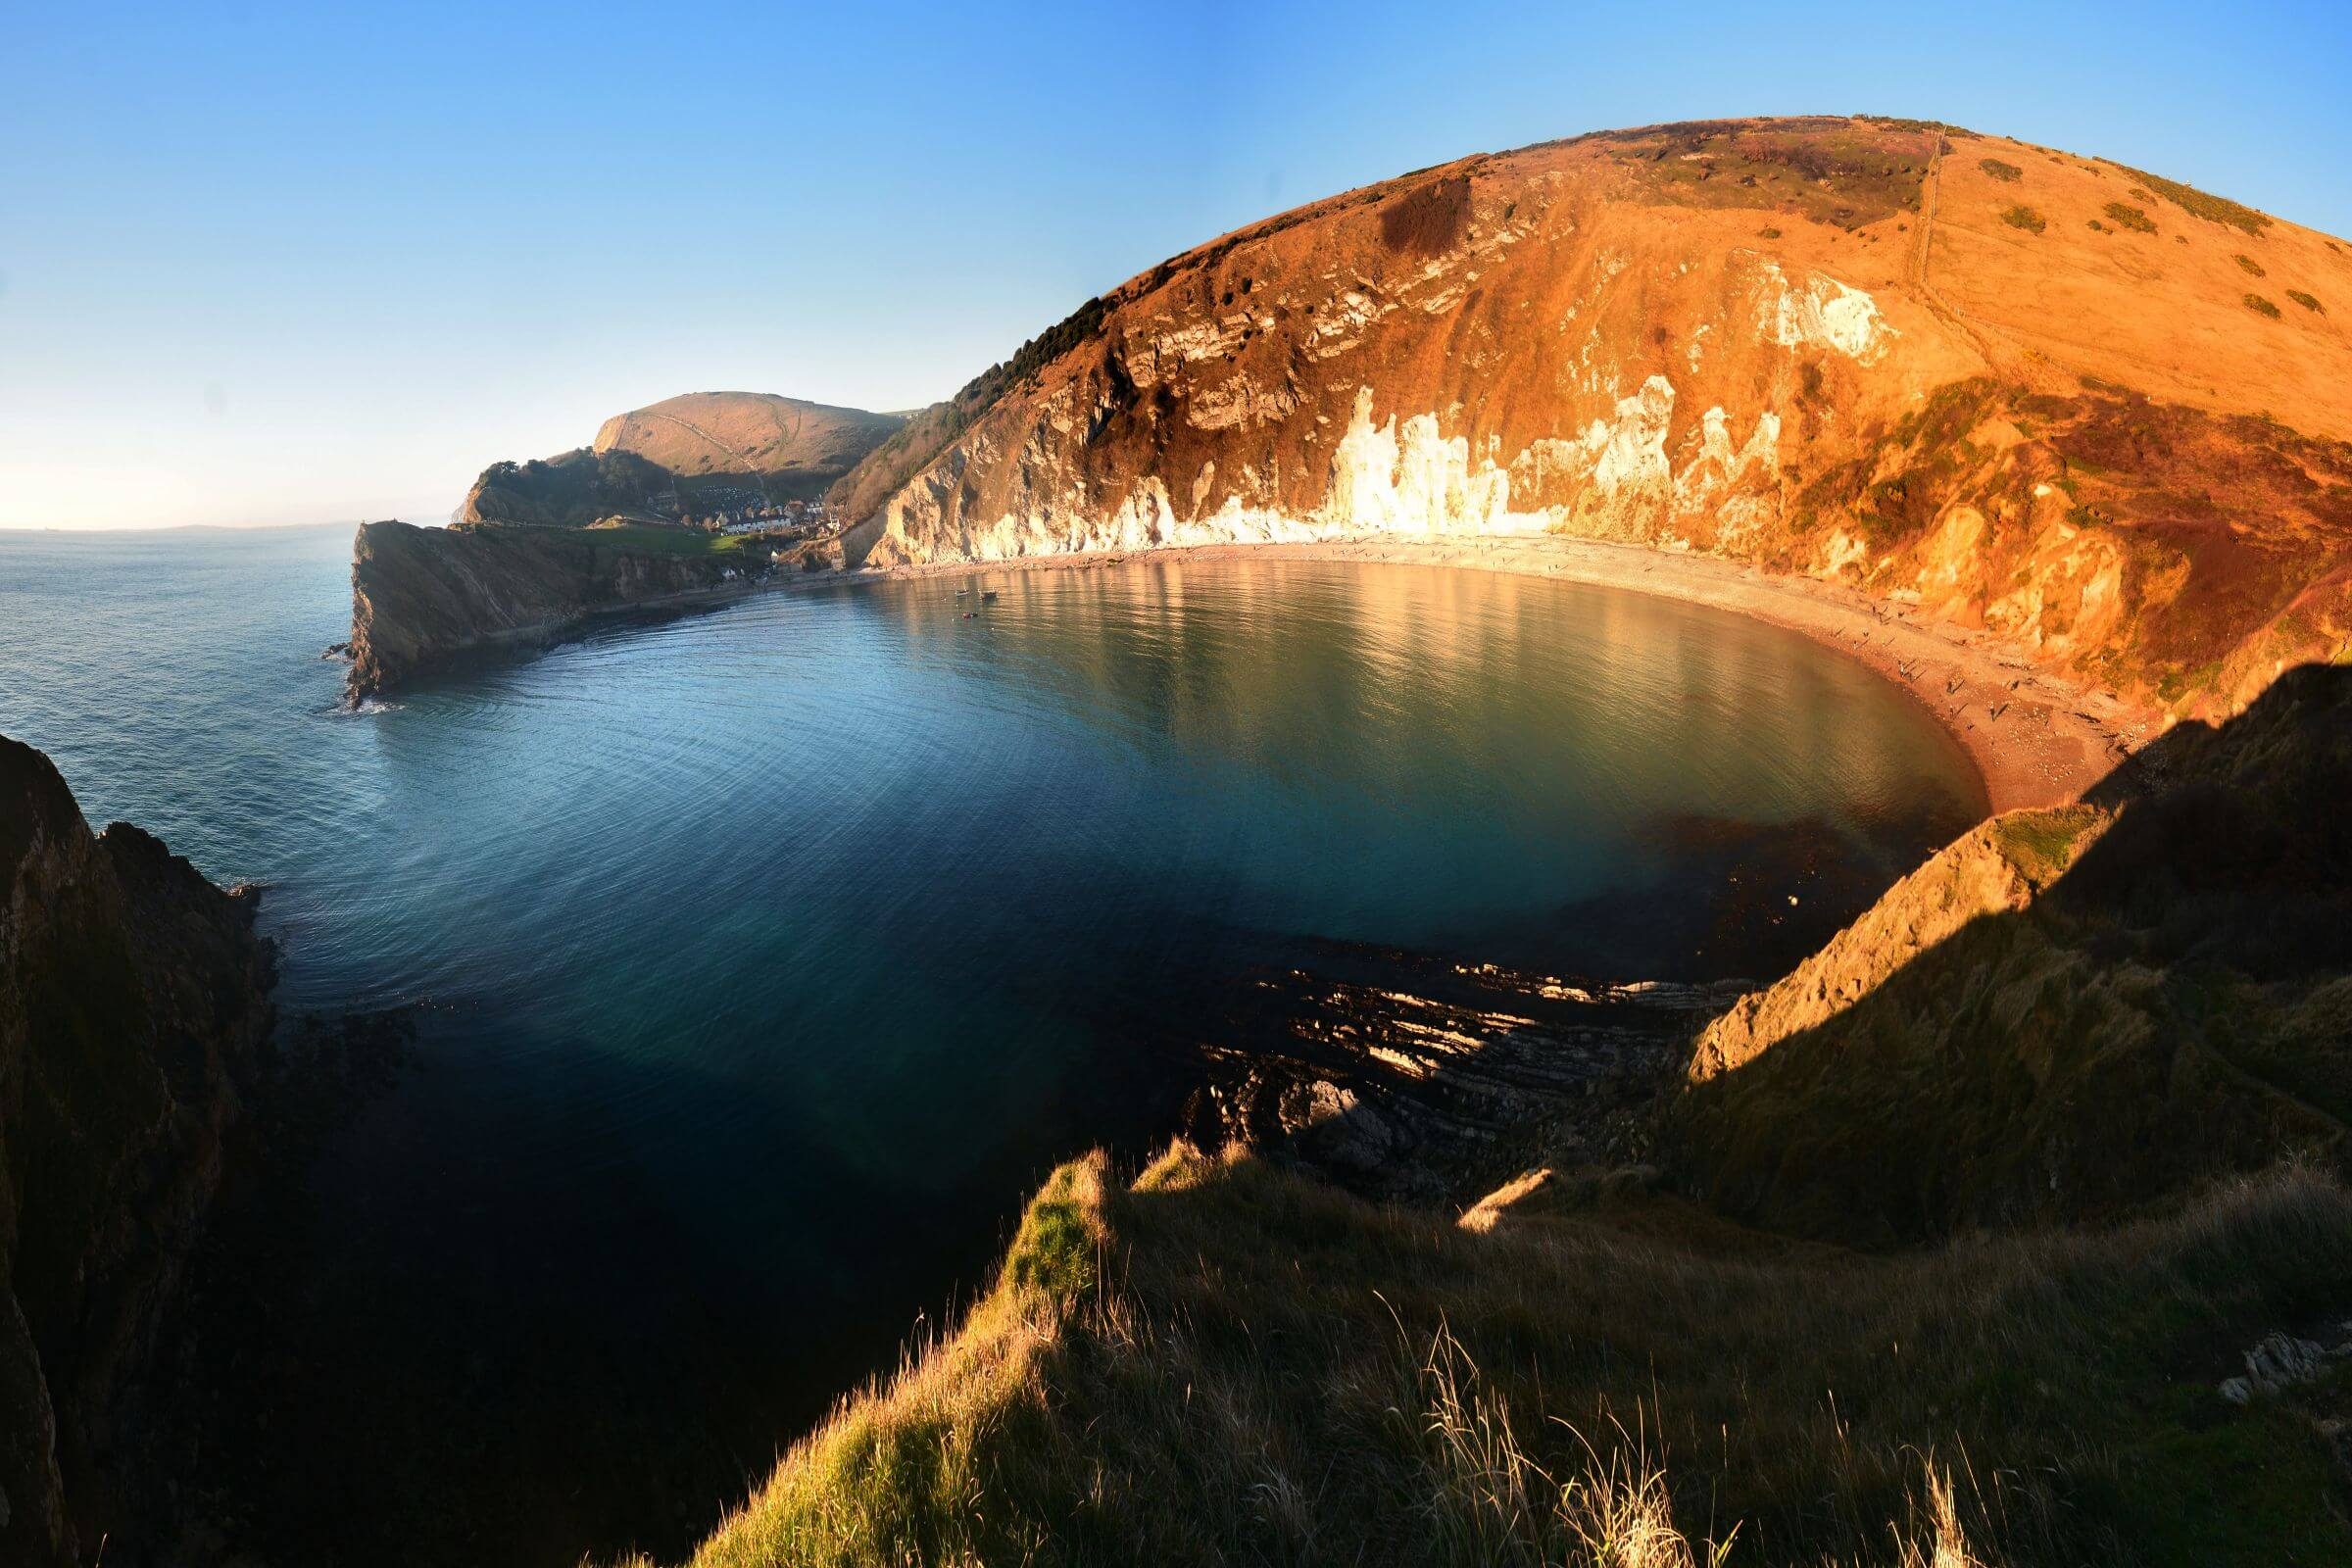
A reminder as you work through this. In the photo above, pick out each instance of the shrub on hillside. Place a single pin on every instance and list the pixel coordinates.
(2025, 217)
(2006, 173)
(2262, 306)
(2131, 217)
(2306, 301)
(2201, 204)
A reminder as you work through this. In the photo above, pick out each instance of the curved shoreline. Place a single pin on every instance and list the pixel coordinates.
(2034, 738)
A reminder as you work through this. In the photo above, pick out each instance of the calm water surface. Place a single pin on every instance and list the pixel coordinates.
(763, 958)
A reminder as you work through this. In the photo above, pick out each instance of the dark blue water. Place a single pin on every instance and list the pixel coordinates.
(763, 958)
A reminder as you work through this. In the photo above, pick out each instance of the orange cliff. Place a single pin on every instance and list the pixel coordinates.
(2055, 406)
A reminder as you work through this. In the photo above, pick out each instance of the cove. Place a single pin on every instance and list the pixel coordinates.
(750, 966)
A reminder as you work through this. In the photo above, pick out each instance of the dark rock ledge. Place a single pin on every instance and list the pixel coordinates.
(134, 1002)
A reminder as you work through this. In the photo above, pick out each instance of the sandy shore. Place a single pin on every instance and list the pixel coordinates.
(2036, 739)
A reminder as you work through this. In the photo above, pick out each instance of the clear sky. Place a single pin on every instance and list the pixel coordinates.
(301, 263)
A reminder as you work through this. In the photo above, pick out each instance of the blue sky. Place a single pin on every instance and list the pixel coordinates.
(269, 264)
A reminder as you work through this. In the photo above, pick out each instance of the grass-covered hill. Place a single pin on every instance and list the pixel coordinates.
(1953, 1241)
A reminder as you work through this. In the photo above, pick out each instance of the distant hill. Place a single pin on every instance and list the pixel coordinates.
(780, 438)
(698, 450)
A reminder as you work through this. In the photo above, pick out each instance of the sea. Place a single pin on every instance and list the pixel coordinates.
(744, 970)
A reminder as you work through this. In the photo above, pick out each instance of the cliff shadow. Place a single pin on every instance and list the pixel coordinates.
(2174, 1004)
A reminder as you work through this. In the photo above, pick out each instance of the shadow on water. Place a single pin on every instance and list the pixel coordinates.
(1732, 898)
(424, 1330)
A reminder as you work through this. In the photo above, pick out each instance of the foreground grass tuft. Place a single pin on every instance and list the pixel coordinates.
(1267, 1370)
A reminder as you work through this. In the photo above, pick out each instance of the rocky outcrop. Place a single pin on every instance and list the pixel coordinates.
(133, 996)
(1816, 346)
(424, 597)
(1412, 1078)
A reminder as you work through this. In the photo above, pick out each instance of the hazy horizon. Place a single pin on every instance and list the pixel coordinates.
(294, 268)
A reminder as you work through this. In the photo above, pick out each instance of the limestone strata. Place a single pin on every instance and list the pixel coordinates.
(1807, 345)
(133, 996)
(422, 597)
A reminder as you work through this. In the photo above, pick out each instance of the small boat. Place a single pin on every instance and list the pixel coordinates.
(961, 592)
(991, 594)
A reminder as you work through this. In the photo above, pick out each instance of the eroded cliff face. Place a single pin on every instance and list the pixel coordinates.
(1837, 348)
(422, 597)
(133, 995)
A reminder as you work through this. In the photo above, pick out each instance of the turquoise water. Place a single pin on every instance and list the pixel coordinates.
(763, 959)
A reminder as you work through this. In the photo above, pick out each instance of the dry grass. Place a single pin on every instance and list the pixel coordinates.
(1494, 1505)
(1259, 1369)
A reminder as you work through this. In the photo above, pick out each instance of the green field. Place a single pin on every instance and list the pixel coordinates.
(661, 541)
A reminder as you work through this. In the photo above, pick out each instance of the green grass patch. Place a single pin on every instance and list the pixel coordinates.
(1054, 1252)
(2262, 306)
(2042, 844)
(653, 540)
(2025, 217)
(2006, 173)
(2131, 217)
